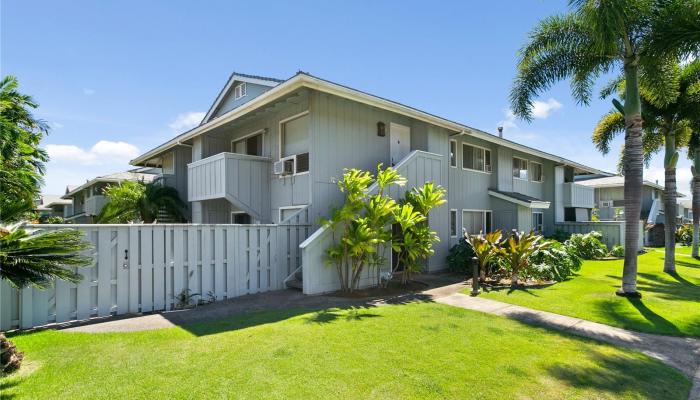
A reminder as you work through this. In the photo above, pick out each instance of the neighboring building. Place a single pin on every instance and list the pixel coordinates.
(685, 211)
(610, 199)
(48, 205)
(88, 198)
(269, 149)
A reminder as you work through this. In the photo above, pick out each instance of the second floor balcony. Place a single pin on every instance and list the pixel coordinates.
(578, 196)
(241, 179)
(94, 204)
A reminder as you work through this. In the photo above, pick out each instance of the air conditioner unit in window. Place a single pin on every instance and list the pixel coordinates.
(487, 168)
(285, 166)
(606, 203)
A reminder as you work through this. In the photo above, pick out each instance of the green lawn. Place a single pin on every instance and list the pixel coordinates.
(669, 304)
(419, 350)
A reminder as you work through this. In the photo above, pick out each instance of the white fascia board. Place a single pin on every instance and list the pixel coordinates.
(528, 204)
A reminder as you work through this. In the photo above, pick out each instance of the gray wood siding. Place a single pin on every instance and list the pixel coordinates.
(241, 179)
(229, 103)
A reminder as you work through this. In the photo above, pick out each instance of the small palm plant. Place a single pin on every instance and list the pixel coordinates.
(516, 251)
(135, 201)
(485, 249)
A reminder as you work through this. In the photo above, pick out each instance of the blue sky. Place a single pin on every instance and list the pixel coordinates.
(115, 79)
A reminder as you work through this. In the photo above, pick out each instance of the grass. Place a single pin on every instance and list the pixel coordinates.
(669, 303)
(417, 350)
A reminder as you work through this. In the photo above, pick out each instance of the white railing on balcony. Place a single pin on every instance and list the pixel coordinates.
(576, 195)
(94, 204)
(241, 179)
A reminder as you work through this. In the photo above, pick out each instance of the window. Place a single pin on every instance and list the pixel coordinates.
(251, 145)
(240, 217)
(475, 222)
(519, 168)
(537, 221)
(453, 153)
(453, 223)
(239, 91)
(294, 140)
(168, 166)
(536, 172)
(476, 158)
(286, 212)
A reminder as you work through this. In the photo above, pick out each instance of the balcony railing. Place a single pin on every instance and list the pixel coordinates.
(578, 195)
(94, 204)
(241, 179)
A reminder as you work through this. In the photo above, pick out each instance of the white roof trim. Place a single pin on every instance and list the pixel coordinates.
(235, 78)
(304, 80)
(529, 204)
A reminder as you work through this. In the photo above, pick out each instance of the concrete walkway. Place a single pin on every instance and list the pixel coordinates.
(680, 353)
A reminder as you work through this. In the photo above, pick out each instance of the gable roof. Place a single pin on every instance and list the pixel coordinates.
(613, 181)
(303, 79)
(47, 200)
(111, 178)
(238, 77)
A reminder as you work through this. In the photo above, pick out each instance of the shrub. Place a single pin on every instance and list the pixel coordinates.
(617, 251)
(556, 262)
(459, 257)
(560, 236)
(486, 248)
(588, 246)
(516, 254)
(684, 234)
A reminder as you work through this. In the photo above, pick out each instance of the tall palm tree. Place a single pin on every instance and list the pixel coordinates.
(666, 125)
(21, 159)
(694, 155)
(598, 37)
(135, 201)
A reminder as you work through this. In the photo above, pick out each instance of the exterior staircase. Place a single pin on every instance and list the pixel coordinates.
(295, 280)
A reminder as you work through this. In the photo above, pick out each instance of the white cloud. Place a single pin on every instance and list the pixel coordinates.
(101, 153)
(57, 125)
(186, 121)
(509, 121)
(542, 109)
(88, 92)
(683, 177)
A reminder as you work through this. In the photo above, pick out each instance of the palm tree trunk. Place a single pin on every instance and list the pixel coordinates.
(670, 213)
(633, 166)
(696, 205)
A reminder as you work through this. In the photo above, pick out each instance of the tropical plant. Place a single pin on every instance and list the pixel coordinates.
(666, 124)
(684, 234)
(617, 251)
(21, 159)
(560, 235)
(132, 201)
(595, 38)
(459, 256)
(588, 246)
(555, 262)
(359, 226)
(485, 248)
(516, 252)
(413, 240)
(10, 357)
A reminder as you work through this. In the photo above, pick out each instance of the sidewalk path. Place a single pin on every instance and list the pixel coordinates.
(678, 352)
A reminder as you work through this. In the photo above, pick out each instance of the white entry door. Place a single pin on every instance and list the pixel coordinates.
(400, 137)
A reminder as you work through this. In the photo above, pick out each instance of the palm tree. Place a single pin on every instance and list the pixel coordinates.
(598, 37)
(21, 160)
(667, 125)
(132, 201)
(694, 155)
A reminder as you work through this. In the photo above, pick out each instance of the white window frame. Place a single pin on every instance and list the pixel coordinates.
(284, 208)
(452, 141)
(279, 142)
(239, 91)
(485, 149)
(456, 232)
(484, 213)
(541, 171)
(527, 170)
(534, 226)
(260, 132)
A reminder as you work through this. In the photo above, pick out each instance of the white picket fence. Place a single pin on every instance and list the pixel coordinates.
(142, 268)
